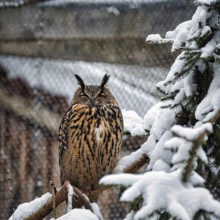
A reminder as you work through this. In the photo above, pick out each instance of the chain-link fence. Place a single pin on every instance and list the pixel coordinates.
(42, 45)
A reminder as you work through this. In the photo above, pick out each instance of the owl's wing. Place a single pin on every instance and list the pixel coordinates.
(120, 118)
(63, 139)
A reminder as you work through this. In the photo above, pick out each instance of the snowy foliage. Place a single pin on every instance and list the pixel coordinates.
(163, 191)
(187, 145)
(210, 105)
(179, 127)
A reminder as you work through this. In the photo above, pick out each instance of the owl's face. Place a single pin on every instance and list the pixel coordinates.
(93, 95)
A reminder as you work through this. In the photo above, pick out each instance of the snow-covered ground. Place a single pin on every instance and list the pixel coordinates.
(133, 86)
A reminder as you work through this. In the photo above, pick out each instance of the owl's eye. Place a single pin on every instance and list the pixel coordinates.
(82, 94)
(102, 94)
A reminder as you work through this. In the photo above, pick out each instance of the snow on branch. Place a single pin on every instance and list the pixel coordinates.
(199, 40)
(209, 107)
(70, 197)
(157, 39)
(175, 82)
(132, 163)
(25, 210)
(43, 206)
(173, 195)
(158, 120)
(187, 144)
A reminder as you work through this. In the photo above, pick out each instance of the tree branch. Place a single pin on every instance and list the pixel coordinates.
(136, 165)
(199, 141)
(47, 208)
(57, 199)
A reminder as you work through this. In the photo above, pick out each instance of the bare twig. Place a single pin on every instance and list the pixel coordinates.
(54, 191)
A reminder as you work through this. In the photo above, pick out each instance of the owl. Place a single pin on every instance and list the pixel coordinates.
(90, 137)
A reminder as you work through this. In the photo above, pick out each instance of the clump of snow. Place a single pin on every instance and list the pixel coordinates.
(184, 87)
(79, 214)
(160, 165)
(160, 152)
(210, 105)
(130, 216)
(156, 38)
(179, 35)
(96, 210)
(113, 10)
(133, 123)
(159, 120)
(125, 180)
(209, 48)
(191, 134)
(70, 197)
(179, 200)
(185, 140)
(26, 209)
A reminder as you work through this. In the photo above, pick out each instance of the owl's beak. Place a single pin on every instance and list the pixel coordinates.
(92, 101)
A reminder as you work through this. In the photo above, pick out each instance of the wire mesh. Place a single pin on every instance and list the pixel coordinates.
(42, 46)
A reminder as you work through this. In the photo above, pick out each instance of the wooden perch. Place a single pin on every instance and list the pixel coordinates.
(57, 199)
(47, 208)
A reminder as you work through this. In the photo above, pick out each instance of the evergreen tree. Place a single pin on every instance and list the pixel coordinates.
(183, 176)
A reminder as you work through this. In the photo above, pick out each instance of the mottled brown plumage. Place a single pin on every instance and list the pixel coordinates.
(90, 136)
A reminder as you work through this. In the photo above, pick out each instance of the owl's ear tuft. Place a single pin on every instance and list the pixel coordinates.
(104, 80)
(80, 81)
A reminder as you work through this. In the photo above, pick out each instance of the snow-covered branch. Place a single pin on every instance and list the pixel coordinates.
(157, 39)
(132, 163)
(164, 192)
(187, 144)
(43, 206)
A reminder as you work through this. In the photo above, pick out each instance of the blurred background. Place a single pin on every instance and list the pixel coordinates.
(43, 43)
